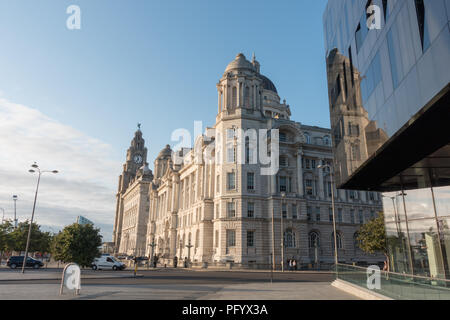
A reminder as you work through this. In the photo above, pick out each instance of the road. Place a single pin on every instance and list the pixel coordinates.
(173, 284)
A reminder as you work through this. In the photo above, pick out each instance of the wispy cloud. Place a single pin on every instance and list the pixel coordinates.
(86, 182)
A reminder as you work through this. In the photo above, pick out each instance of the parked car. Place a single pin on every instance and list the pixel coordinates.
(107, 262)
(17, 261)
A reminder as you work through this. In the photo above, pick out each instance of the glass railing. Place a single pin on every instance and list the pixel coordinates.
(397, 285)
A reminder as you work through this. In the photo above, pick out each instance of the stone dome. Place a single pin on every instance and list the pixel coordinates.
(240, 62)
(268, 84)
(165, 153)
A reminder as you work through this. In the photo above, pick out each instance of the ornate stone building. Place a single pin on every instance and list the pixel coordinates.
(212, 204)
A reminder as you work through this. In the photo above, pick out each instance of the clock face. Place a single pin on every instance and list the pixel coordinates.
(137, 159)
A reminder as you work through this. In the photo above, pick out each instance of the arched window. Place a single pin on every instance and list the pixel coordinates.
(247, 97)
(314, 240)
(289, 238)
(234, 97)
(338, 240)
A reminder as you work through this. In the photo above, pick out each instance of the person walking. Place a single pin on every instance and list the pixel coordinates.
(294, 264)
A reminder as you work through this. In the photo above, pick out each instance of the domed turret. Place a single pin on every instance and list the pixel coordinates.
(240, 62)
(163, 161)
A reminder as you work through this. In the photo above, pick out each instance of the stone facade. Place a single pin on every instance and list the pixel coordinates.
(211, 204)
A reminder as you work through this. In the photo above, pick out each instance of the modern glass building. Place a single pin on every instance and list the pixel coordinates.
(388, 69)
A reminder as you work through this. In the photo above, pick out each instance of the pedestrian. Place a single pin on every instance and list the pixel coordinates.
(175, 262)
(290, 264)
(294, 264)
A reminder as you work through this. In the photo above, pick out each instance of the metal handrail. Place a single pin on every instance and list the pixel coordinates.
(396, 273)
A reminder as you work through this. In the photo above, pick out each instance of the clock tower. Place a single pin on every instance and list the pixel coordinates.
(136, 159)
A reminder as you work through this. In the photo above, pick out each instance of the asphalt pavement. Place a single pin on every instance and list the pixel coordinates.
(173, 284)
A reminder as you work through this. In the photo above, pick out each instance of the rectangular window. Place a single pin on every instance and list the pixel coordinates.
(250, 239)
(330, 214)
(283, 161)
(361, 217)
(250, 181)
(372, 78)
(386, 10)
(231, 185)
(231, 154)
(340, 215)
(230, 134)
(423, 29)
(313, 164)
(395, 63)
(294, 211)
(282, 137)
(231, 211)
(352, 194)
(284, 210)
(307, 162)
(283, 184)
(309, 213)
(317, 213)
(231, 238)
(352, 216)
(329, 188)
(250, 209)
(309, 187)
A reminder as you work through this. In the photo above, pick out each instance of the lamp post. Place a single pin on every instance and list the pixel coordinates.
(283, 196)
(189, 246)
(332, 208)
(15, 218)
(153, 245)
(35, 168)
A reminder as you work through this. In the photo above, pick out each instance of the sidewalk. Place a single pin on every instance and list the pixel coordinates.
(247, 291)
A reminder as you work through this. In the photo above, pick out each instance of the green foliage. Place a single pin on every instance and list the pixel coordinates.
(5, 241)
(77, 243)
(372, 235)
(39, 241)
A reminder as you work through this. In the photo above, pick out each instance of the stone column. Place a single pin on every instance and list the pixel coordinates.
(273, 183)
(321, 191)
(300, 190)
(219, 98)
(197, 185)
(211, 181)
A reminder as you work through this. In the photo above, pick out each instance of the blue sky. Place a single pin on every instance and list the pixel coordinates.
(153, 62)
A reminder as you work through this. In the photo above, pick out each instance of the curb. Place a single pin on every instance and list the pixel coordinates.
(59, 278)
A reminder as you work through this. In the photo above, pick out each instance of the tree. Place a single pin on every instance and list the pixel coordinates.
(77, 243)
(5, 240)
(39, 241)
(372, 237)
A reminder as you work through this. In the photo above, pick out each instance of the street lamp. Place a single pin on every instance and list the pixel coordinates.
(153, 245)
(15, 218)
(35, 168)
(283, 196)
(332, 208)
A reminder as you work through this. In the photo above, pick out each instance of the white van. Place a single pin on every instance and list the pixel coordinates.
(107, 262)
